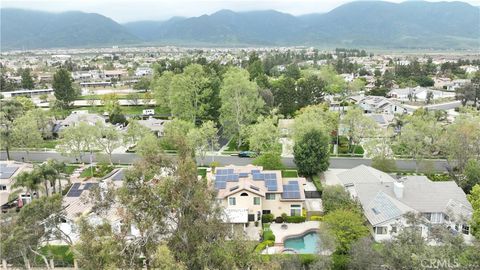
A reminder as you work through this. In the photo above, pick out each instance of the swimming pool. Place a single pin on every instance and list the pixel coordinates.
(308, 243)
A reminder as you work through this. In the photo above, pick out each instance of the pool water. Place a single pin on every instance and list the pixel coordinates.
(307, 243)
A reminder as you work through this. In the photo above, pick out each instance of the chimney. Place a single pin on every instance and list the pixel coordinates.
(398, 189)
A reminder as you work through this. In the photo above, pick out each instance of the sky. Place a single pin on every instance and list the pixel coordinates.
(136, 10)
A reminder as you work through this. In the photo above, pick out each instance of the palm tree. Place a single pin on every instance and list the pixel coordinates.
(48, 174)
(31, 181)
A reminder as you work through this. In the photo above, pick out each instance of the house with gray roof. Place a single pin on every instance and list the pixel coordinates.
(157, 126)
(386, 201)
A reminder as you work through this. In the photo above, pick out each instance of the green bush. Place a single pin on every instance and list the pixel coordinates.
(267, 218)
(439, 177)
(316, 218)
(340, 261)
(318, 184)
(279, 220)
(261, 246)
(269, 161)
(267, 233)
(289, 173)
(358, 149)
(295, 219)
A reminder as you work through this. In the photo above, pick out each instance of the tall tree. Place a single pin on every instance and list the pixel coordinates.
(107, 138)
(203, 139)
(358, 125)
(474, 199)
(9, 111)
(26, 133)
(284, 93)
(76, 140)
(314, 117)
(311, 153)
(310, 91)
(264, 135)
(63, 88)
(161, 86)
(27, 80)
(240, 102)
(346, 227)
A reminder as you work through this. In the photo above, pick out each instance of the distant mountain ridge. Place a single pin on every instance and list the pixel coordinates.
(411, 24)
(26, 29)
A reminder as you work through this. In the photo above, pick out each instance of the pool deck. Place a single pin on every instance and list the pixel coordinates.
(294, 229)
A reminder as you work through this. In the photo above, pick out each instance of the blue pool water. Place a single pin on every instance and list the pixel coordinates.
(307, 243)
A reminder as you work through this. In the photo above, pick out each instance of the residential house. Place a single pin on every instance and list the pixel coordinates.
(75, 118)
(387, 201)
(9, 170)
(157, 126)
(418, 94)
(248, 192)
(378, 105)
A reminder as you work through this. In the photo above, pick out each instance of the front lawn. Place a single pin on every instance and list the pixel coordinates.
(70, 168)
(289, 173)
(96, 171)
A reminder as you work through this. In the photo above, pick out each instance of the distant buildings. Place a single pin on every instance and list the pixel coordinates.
(418, 93)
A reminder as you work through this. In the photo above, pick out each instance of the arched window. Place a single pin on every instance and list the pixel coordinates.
(244, 194)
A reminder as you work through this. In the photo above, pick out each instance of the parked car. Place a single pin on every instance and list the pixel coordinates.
(247, 154)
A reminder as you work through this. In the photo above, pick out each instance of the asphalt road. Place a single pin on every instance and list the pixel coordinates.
(128, 158)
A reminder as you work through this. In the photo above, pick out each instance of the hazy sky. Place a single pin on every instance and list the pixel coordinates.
(133, 10)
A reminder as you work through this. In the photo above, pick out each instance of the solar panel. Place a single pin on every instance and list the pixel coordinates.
(229, 171)
(220, 184)
(291, 195)
(258, 176)
(233, 188)
(221, 172)
(76, 191)
(271, 185)
(255, 171)
(221, 178)
(232, 178)
(293, 182)
(7, 172)
(243, 175)
(119, 175)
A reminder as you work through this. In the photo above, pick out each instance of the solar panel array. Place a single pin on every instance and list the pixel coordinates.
(7, 171)
(119, 175)
(227, 175)
(76, 191)
(291, 190)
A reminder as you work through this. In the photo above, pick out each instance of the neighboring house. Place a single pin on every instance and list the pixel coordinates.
(157, 126)
(143, 71)
(418, 94)
(27, 93)
(8, 171)
(76, 204)
(248, 192)
(75, 118)
(377, 105)
(386, 201)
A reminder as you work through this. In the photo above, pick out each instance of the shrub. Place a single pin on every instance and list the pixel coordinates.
(316, 218)
(264, 244)
(295, 219)
(269, 161)
(267, 233)
(267, 218)
(279, 220)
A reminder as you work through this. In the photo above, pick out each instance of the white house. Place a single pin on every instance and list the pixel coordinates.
(418, 94)
(386, 201)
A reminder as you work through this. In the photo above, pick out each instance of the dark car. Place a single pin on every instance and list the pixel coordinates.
(248, 154)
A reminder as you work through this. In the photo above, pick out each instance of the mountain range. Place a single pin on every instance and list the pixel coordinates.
(369, 24)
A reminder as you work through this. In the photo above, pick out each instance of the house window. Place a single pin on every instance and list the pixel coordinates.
(270, 196)
(251, 217)
(3, 187)
(394, 229)
(380, 230)
(465, 229)
(244, 194)
(266, 212)
(232, 201)
(295, 210)
(256, 200)
(436, 217)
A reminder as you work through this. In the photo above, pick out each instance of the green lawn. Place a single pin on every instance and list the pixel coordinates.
(50, 144)
(97, 171)
(289, 173)
(61, 254)
(202, 172)
(70, 168)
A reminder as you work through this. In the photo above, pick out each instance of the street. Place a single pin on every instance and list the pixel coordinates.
(129, 158)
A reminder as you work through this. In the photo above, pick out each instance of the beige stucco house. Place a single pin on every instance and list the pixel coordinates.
(248, 192)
